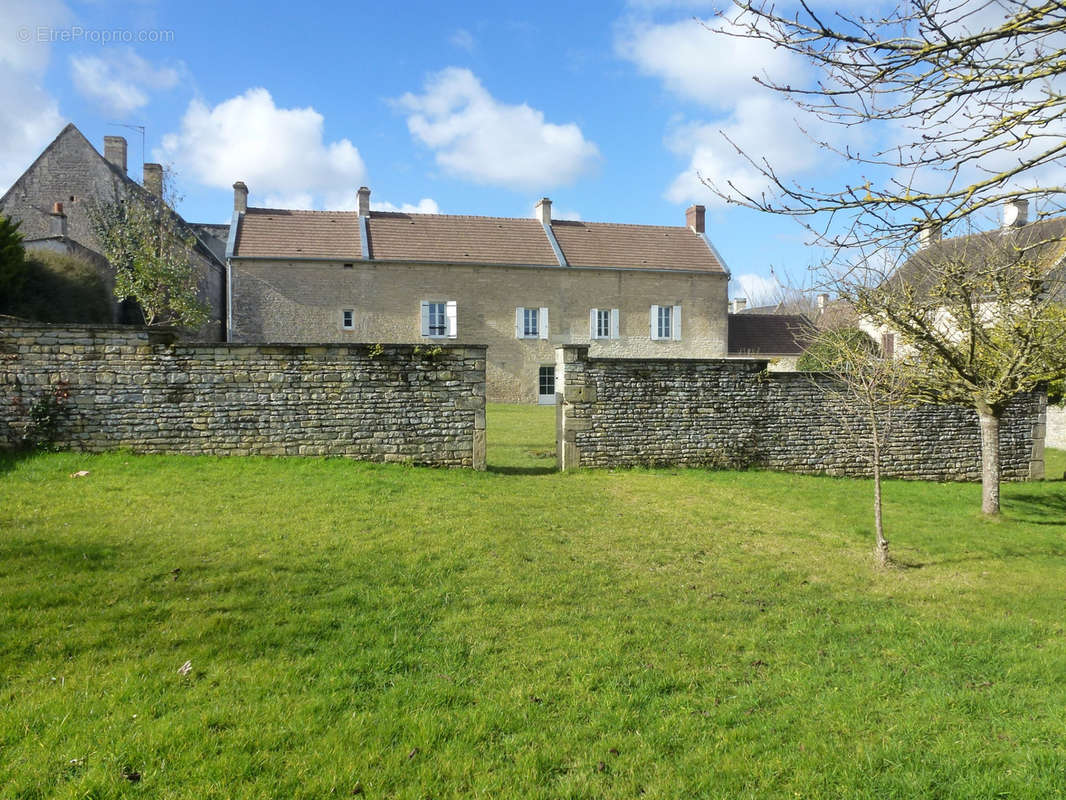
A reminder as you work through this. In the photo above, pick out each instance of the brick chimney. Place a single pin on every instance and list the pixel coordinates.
(363, 197)
(695, 218)
(115, 151)
(240, 197)
(543, 210)
(739, 304)
(153, 179)
(1015, 213)
(57, 224)
(929, 233)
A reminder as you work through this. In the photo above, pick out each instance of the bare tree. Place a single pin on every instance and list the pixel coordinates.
(972, 88)
(973, 92)
(868, 387)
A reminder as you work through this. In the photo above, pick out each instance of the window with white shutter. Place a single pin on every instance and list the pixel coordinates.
(439, 319)
(603, 323)
(665, 323)
(531, 323)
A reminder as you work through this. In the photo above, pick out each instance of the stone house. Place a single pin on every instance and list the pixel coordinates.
(521, 286)
(52, 197)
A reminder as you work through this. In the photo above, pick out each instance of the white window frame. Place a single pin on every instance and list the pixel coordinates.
(612, 323)
(541, 317)
(451, 318)
(674, 315)
(348, 319)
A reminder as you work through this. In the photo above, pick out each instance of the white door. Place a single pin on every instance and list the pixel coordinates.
(546, 386)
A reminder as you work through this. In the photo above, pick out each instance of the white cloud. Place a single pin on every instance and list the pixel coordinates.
(756, 289)
(119, 81)
(716, 71)
(424, 206)
(696, 64)
(476, 137)
(29, 115)
(278, 152)
(463, 39)
(764, 127)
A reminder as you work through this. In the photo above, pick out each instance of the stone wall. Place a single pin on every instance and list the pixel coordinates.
(732, 413)
(136, 389)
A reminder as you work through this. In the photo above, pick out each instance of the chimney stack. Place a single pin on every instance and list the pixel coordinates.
(1015, 213)
(363, 196)
(115, 151)
(739, 304)
(57, 225)
(695, 218)
(823, 301)
(153, 179)
(929, 233)
(543, 210)
(240, 197)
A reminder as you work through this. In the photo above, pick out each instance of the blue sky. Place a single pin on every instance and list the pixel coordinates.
(610, 109)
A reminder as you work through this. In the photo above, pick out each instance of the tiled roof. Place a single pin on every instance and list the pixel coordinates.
(454, 239)
(281, 233)
(1040, 241)
(767, 334)
(457, 239)
(602, 244)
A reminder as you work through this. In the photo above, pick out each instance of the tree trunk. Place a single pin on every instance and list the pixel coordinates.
(989, 459)
(882, 543)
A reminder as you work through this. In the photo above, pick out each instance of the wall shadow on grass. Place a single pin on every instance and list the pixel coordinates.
(505, 470)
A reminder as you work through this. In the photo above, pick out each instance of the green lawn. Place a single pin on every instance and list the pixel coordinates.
(389, 631)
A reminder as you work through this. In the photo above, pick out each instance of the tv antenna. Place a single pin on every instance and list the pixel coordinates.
(139, 128)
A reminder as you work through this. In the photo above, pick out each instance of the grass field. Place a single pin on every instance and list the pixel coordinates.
(386, 631)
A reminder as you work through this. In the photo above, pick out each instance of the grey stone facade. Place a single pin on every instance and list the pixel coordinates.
(70, 171)
(733, 413)
(137, 389)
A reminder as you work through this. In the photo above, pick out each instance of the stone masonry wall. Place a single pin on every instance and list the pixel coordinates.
(136, 389)
(732, 413)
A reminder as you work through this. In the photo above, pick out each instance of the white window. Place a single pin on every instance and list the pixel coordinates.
(348, 319)
(531, 323)
(439, 318)
(666, 323)
(603, 323)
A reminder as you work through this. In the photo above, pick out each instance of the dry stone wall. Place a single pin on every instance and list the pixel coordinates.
(135, 389)
(732, 413)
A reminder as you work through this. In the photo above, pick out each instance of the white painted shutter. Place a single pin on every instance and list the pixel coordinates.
(453, 315)
(675, 320)
(518, 313)
(654, 322)
(593, 315)
(543, 322)
(614, 323)
(425, 318)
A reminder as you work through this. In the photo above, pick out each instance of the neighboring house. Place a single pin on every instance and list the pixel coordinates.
(1041, 242)
(521, 286)
(52, 197)
(780, 338)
